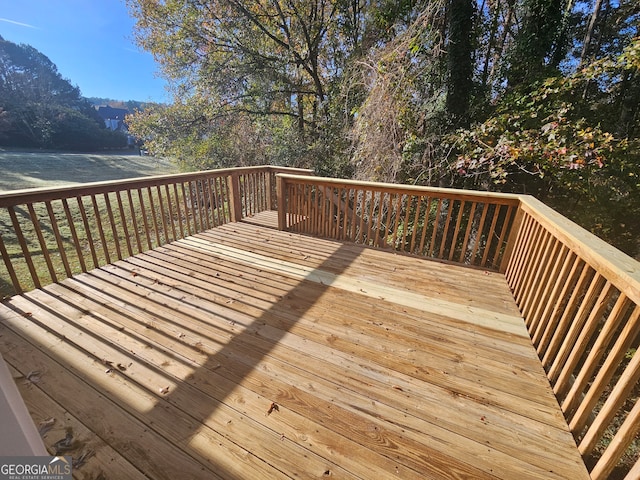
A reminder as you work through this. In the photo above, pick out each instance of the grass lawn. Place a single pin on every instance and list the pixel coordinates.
(25, 169)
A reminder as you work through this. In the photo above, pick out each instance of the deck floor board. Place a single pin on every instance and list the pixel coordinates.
(171, 364)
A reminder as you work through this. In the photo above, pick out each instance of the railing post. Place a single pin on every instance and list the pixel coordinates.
(282, 203)
(268, 187)
(511, 240)
(235, 200)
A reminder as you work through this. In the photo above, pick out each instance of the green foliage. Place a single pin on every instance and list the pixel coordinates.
(554, 142)
(41, 109)
(536, 96)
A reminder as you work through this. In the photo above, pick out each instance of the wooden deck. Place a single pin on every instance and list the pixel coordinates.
(246, 353)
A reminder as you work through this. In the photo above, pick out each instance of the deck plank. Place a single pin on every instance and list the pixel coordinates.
(380, 364)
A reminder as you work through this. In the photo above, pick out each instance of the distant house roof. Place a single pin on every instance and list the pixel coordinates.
(110, 113)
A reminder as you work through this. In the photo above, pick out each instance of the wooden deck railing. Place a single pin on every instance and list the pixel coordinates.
(580, 298)
(456, 225)
(578, 295)
(49, 234)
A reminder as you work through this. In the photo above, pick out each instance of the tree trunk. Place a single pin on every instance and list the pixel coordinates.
(459, 60)
(590, 28)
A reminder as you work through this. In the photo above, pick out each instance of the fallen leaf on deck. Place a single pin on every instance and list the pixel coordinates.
(274, 407)
(64, 444)
(82, 459)
(27, 314)
(45, 426)
(122, 367)
(32, 377)
(164, 390)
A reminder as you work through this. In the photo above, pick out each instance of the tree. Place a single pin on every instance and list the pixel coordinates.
(520, 95)
(41, 108)
(552, 142)
(538, 45)
(271, 58)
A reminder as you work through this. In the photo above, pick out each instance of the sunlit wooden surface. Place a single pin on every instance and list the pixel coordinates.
(244, 352)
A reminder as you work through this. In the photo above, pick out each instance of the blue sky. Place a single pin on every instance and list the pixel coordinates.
(91, 43)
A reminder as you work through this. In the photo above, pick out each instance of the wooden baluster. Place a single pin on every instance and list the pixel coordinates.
(425, 226)
(569, 380)
(209, 211)
(145, 220)
(540, 279)
(519, 251)
(170, 204)
(416, 220)
(534, 247)
(112, 222)
(124, 221)
(134, 220)
(398, 215)
(618, 445)
(467, 232)
(87, 230)
(154, 217)
(490, 235)
(608, 369)
(435, 227)
(187, 213)
(604, 333)
(592, 305)
(479, 235)
(568, 313)
(9, 266)
(43, 246)
(103, 239)
(616, 399)
(163, 216)
(501, 239)
(176, 196)
(456, 231)
(59, 240)
(380, 209)
(235, 198)
(24, 247)
(550, 295)
(74, 234)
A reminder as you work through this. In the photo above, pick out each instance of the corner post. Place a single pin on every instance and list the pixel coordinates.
(282, 203)
(268, 187)
(512, 238)
(235, 201)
